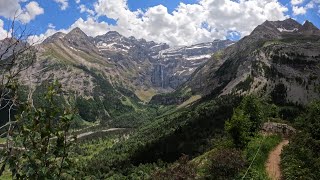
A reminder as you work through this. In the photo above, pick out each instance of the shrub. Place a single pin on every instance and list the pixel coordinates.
(181, 170)
(226, 164)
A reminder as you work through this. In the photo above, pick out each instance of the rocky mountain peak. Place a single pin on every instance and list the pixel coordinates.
(289, 24)
(79, 40)
(274, 27)
(112, 35)
(54, 37)
(77, 32)
(309, 25)
(309, 29)
(77, 35)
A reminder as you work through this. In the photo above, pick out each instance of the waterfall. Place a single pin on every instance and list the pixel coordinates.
(161, 69)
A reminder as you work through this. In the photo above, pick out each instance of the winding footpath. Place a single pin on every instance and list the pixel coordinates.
(273, 163)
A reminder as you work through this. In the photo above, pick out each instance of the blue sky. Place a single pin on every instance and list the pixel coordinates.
(172, 21)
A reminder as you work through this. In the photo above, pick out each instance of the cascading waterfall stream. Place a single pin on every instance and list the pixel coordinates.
(161, 69)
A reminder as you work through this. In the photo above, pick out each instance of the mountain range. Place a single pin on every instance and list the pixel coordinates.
(112, 73)
(279, 59)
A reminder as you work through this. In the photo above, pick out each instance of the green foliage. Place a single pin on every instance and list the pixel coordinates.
(40, 145)
(290, 113)
(185, 131)
(270, 110)
(239, 128)
(301, 159)
(310, 121)
(252, 106)
(266, 144)
(180, 170)
(226, 164)
(245, 121)
(90, 110)
(279, 94)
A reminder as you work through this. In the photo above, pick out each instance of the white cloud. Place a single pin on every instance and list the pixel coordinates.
(3, 32)
(35, 39)
(296, 2)
(187, 24)
(77, 1)
(12, 8)
(9, 8)
(304, 6)
(187, 20)
(299, 10)
(83, 9)
(90, 27)
(63, 4)
(30, 12)
(51, 26)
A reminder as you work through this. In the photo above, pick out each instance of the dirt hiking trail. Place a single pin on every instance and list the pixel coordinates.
(273, 163)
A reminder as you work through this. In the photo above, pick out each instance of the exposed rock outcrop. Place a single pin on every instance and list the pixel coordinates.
(278, 128)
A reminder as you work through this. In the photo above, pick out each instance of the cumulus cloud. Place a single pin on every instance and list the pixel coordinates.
(12, 8)
(188, 20)
(301, 7)
(51, 26)
(90, 26)
(203, 21)
(36, 39)
(83, 9)
(3, 32)
(9, 8)
(296, 2)
(299, 10)
(63, 4)
(31, 10)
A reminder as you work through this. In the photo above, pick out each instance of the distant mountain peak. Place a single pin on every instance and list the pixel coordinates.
(309, 25)
(54, 37)
(113, 34)
(309, 29)
(274, 29)
(77, 32)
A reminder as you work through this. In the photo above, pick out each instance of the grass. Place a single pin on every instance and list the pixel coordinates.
(202, 162)
(127, 101)
(217, 55)
(145, 95)
(268, 43)
(257, 170)
(6, 175)
(2, 140)
(91, 148)
(189, 101)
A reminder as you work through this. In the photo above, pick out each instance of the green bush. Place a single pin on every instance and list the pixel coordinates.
(180, 170)
(226, 164)
(266, 144)
(301, 159)
(245, 121)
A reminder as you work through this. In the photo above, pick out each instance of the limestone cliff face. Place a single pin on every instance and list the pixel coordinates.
(278, 59)
(174, 66)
